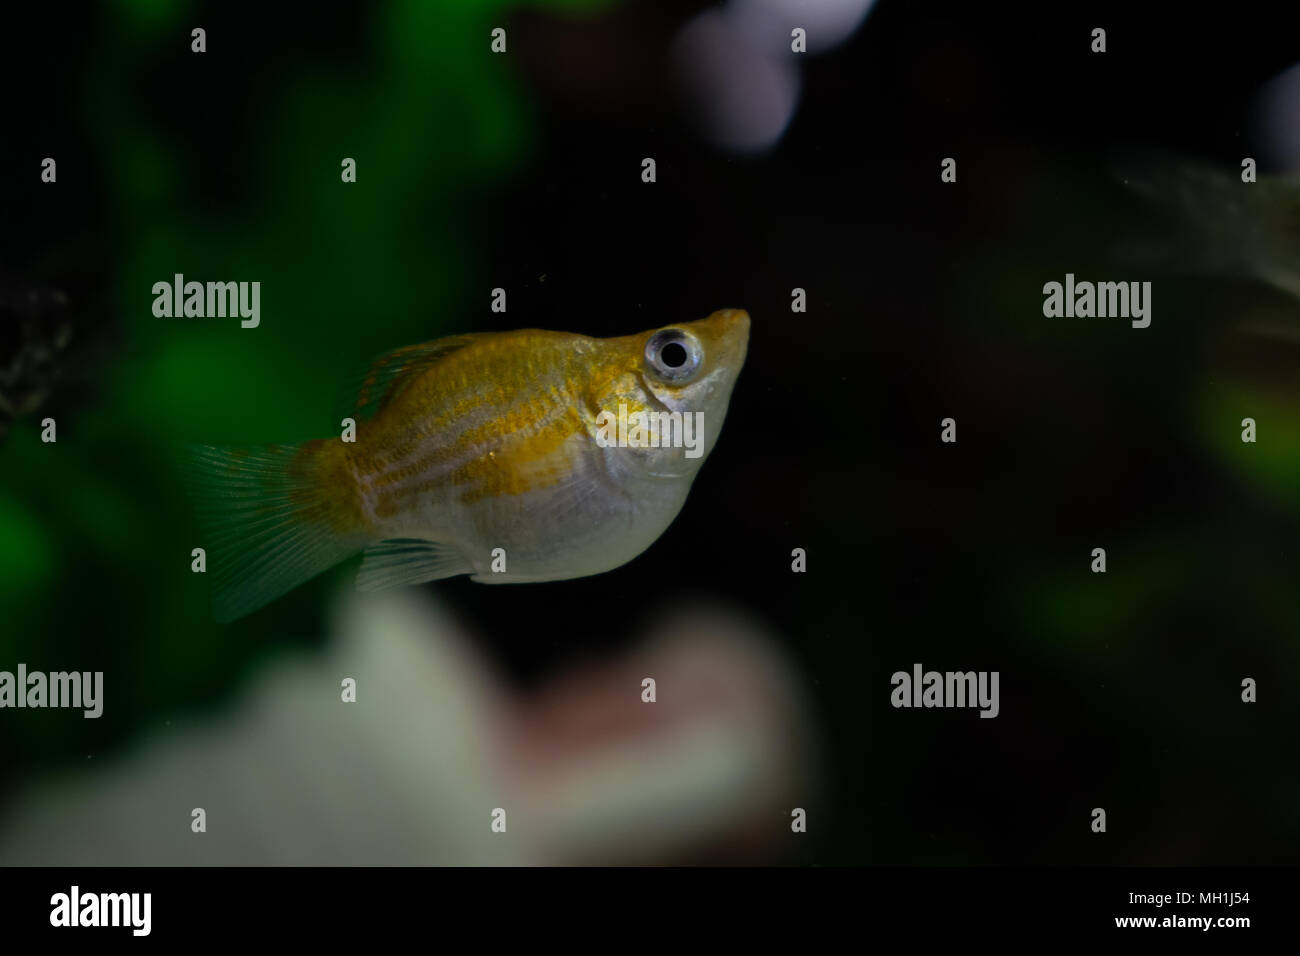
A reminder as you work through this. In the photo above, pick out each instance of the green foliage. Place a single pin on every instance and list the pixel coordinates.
(95, 530)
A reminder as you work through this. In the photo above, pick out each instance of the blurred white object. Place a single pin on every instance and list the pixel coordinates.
(827, 23)
(1277, 104)
(743, 98)
(739, 71)
(411, 772)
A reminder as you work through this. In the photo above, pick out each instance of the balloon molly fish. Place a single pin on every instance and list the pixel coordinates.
(509, 456)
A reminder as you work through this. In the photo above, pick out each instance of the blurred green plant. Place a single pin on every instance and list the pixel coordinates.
(95, 531)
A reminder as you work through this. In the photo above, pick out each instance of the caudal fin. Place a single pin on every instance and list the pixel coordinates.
(274, 517)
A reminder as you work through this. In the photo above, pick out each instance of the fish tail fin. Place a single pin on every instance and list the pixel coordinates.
(1224, 226)
(274, 516)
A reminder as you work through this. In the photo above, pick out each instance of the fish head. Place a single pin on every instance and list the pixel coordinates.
(681, 377)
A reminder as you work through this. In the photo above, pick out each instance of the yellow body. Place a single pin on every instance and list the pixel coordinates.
(481, 454)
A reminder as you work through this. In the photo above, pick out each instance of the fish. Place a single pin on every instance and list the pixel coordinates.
(501, 455)
(1225, 227)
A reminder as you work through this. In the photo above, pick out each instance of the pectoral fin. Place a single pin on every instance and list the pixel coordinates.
(401, 562)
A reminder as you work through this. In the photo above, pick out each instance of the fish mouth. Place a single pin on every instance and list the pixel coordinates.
(732, 322)
(726, 336)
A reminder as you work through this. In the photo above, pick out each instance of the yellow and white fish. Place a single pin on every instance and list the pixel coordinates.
(470, 444)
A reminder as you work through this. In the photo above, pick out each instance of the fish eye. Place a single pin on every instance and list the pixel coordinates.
(674, 355)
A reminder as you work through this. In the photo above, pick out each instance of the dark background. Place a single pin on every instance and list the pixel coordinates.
(924, 301)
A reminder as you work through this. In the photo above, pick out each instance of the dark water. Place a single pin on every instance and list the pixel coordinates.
(924, 302)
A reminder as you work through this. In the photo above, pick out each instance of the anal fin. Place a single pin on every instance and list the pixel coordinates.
(402, 562)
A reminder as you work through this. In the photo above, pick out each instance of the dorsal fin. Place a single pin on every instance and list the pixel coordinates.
(387, 374)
